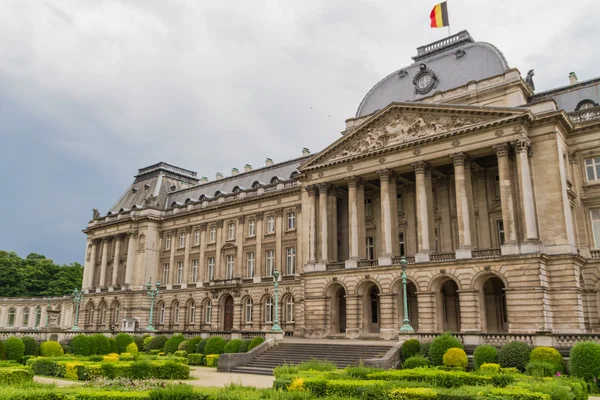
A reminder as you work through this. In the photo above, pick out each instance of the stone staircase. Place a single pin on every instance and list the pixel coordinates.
(293, 353)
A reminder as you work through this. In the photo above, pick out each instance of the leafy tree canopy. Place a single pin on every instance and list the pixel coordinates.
(36, 275)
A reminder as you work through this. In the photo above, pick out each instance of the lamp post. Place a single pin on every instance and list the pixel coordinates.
(152, 293)
(406, 328)
(77, 298)
(276, 327)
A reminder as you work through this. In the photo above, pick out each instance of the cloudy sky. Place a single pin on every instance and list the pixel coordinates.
(92, 90)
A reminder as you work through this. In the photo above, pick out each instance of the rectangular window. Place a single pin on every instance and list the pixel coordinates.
(168, 242)
(592, 168)
(212, 234)
(368, 207)
(208, 312)
(289, 309)
(250, 264)
(165, 276)
(179, 272)
(211, 268)
(181, 240)
(270, 224)
(500, 228)
(497, 186)
(251, 227)
(290, 262)
(370, 248)
(269, 310)
(194, 271)
(291, 220)
(231, 231)
(437, 239)
(249, 311)
(401, 242)
(196, 237)
(230, 260)
(269, 262)
(596, 227)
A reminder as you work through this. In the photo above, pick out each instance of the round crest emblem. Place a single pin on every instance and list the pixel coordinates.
(425, 80)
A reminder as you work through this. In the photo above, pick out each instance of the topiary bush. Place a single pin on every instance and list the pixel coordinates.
(541, 369)
(425, 349)
(15, 349)
(112, 346)
(455, 357)
(132, 349)
(192, 344)
(139, 341)
(183, 345)
(32, 348)
(81, 345)
(146, 345)
(548, 354)
(172, 344)
(257, 341)
(244, 346)
(411, 348)
(440, 345)
(584, 361)
(485, 354)
(51, 348)
(514, 355)
(102, 344)
(2, 351)
(232, 346)
(158, 342)
(93, 345)
(215, 345)
(123, 339)
(201, 346)
(416, 362)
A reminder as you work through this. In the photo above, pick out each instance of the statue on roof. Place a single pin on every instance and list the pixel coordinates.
(529, 79)
(96, 213)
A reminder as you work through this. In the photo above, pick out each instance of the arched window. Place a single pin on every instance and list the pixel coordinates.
(236, 189)
(294, 174)
(202, 197)
(175, 309)
(248, 310)
(208, 312)
(256, 184)
(12, 315)
(25, 319)
(90, 313)
(269, 310)
(174, 204)
(116, 312)
(218, 193)
(584, 104)
(191, 312)
(188, 200)
(161, 314)
(38, 316)
(274, 179)
(289, 309)
(102, 314)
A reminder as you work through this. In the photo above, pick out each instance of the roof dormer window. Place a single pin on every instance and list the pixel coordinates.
(585, 104)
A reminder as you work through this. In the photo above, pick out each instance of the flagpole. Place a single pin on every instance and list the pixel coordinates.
(448, 12)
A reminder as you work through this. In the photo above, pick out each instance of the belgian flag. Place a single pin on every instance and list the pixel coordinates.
(439, 16)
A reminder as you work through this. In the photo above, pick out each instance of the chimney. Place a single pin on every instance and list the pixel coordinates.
(234, 171)
(203, 179)
(572, 78)
(247, 168)
(305, 152)
(268, 162)
(219, 175)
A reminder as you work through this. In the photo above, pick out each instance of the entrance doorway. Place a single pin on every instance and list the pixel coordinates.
(337, 309)
(228, 314)
(341, 300)
(494, 306)
(450, 307)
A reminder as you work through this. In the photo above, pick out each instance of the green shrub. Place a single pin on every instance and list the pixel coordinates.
(173, 343)
(158, 342)
(196, 359)
(15, 376)
(146, 345)
(514, 355)
(416, 362)
(139, 341)
(141, 369)
(93, 345)
(558, 389)
(44, 366)
(32, 348)
(485, 354)
(435, 377)
(181, 353)
(541, 369)
(15, 349)
(112, 346)
(257, 341)
(214, 345)
(490, 368)
(410, 348)
(2, 351)
(440, 345)
(51, 349)
(316, 365)
(456, 357)
(66, 349)
(212, 360)
(361, 372)
(192, 344)
(96, 358)
(413, 394)
(425, 349)
(81, 345)
(123, 339)
(102, 344)
(244, 346)
(173, 370)
(132, 349)
(584, 361)
(183, 345)
(232, 346)
(177, 392)
(548, 354)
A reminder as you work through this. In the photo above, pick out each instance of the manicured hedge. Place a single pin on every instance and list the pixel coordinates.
(123, 339)
(51, 348)
(485, 354)
(550, 355)
(15, 376)
(158, 342)
(455, 357)
(410, 348)
(244, 346)
(212, 360)
(232, 346)
(192, 344)
(514, 355)
(15, 349)
(171, 346)
(139, 341)
(416, 362)
(81, 345)
(132, 349)
(215, 345)
(196, 359)
(584, 361)
(2, 351)
(257, 341)
(440, 345)
(435, 377)
(32, 348)
(102, 344)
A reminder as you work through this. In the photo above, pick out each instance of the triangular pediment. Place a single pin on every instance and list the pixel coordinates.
(403, 124)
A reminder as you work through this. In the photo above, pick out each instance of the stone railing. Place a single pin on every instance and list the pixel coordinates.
(252, 335)
(595, 253)
(409, 260)
(335, 265)
(570, 340)
(486, 253)
(500, 339)
(428, 337)
(585, 115)
(438, 257)
(367, 263)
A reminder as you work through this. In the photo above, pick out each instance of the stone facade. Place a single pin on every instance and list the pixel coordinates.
(488, 189)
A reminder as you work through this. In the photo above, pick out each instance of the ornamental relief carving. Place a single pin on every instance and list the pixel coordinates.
(399, 127)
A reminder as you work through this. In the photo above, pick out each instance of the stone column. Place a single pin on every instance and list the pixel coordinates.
(386, 218)
(186, 257)
(116, 261)
(352, 222)
(353, 316)
(362, 232)
(471, 202)
(219, 274)
(510, 245)
(92, 266)
(172, 267)
(323, 194)
(312, 224)
(394, 215)
(443, 187)
(430, 209)
(278, 235)
(462, 207)
(483, 220)
(427, 312)
(410, 214)
(530, 243)
(202, 259)
(422, 218)
(240, 247)
(258, 266)
(104, 263)
(387, 323)
(130, 259)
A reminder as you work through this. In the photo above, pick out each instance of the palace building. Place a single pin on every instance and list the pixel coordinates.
(490, 189)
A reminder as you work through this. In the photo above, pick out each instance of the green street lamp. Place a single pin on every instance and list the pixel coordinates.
(276, 327)
(406, 328)
(152, 293)
(77, 298)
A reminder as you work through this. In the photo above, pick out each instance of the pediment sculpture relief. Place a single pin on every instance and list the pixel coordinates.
(398, 127)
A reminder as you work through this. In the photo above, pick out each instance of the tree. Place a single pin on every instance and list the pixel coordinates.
(11, 278)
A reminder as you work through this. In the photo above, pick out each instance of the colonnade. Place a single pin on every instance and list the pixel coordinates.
(92, 262)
